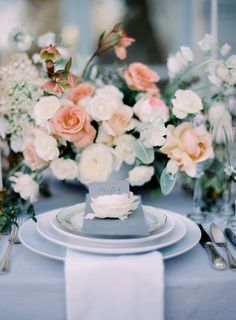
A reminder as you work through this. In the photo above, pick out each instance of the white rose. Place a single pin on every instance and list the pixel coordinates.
(46, 146)
(25, 186)
(147, 109)
(125, 148)
(152, 134)
(186, 102)
(101, 107)
(220, 121)
(96, 163)
(64, 169)
(138, 176)
(111, 91)
(45, 109)
(207, 43)
(113, 206)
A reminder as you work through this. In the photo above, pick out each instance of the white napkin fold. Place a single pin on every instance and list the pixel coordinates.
(102, 287)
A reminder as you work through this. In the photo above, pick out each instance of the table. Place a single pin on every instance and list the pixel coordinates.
(34, 288)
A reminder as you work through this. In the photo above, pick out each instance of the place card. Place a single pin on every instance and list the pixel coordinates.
(134, 226)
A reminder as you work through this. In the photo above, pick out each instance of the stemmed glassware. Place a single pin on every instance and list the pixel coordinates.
(230, 171)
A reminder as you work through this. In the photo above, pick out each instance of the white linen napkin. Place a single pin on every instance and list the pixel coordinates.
(103, 287)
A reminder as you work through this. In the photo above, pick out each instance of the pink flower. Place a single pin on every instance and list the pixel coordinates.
(187, 146)
(122, 44)
(72, 124)
(31, 159)
(52, 87)
(150, 108)
(140, 77)
(81, 91)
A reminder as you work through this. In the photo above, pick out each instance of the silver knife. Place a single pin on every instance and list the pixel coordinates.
(219, 239)
(217, 261)
(231, 236)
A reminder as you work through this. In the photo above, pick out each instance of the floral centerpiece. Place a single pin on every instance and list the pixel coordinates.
(85, 126)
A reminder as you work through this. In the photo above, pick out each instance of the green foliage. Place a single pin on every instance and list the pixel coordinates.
(167, 182)
(145, 155)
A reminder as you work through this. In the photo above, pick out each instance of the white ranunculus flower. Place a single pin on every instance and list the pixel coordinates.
(125, 148)
(64, 169)
(45, 109)
(113, 206)
(207, 43)
(25, 186)
(220, 121)
(138, 176)
(101, 107)
(96, 163)
(46, 146)
(187, 53)
(152, 134)
(186, 102)
(111, 91)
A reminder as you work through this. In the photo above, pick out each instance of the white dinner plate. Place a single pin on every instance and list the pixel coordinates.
(44, 228)
(31, 239)
(160, 223)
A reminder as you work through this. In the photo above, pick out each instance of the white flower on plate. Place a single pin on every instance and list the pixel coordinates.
(45, 109)
(138, 176)
(220, 121)
(152, 133)
(186, 102)
(64, 169)
(96, 163)
(113, 206)
(25, 186)
(45, 146)
(208, 43)
(101, 107)
(110, 90)
(125, 148)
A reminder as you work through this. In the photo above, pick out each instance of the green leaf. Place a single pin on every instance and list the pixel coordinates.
(146, 155)
(167, 181)
(68, 65)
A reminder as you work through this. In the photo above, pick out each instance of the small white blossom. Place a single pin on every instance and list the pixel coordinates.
(208, 43)
(152, 133)
(186, 102)
(138, 176)
(46, 146)
(45, 109)
(125, 148)
(225, 49)
(25, 186)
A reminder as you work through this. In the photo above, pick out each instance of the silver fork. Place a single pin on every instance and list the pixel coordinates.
(13, 239)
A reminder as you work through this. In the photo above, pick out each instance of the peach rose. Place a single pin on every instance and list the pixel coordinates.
(120, 121)
(72, 124)
(140, 77)
(31, 158)
(187, 146)
(81, 91)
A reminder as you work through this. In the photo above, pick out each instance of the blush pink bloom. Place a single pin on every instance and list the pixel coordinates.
(31, 159)
(187, 146)
(150, 108)
(140, 77)
(81, 91)
(72, 124)
(49, 53)
(52, 87)
(120, 47)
